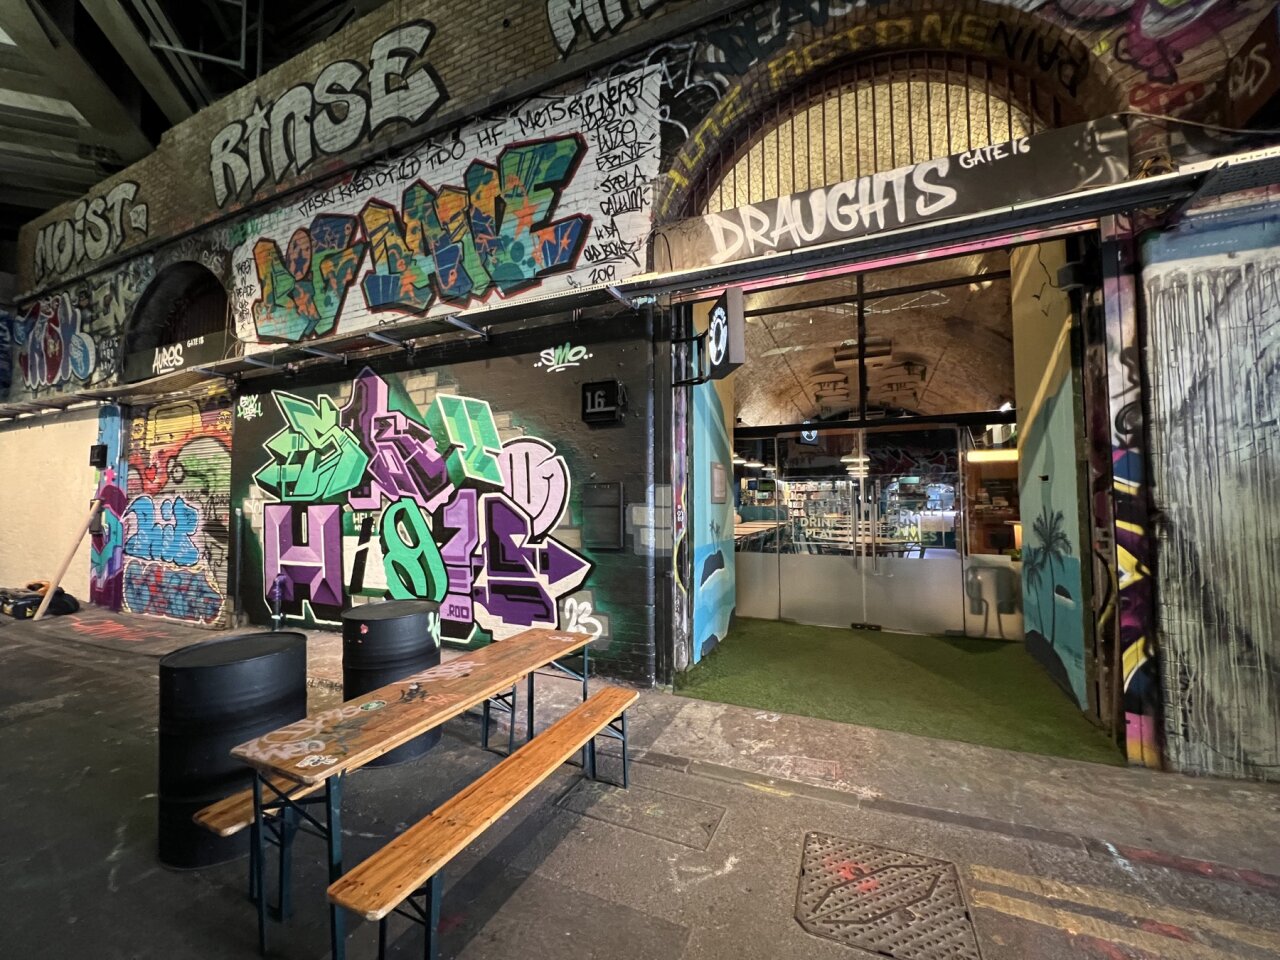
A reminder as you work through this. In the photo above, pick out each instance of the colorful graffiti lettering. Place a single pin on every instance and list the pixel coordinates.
(401, 453)
(303, 291)
(305, 546)
(176, 527)
(440, 509)
(52, 347)
(106, 558)
(159, 591)
(492, 212)
(71, 339)
(1135, 621)
(315, 458)
(164, 531)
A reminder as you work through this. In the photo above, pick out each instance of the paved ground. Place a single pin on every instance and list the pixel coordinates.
(730, 811)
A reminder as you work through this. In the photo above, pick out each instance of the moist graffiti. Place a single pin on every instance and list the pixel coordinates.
(376, 498)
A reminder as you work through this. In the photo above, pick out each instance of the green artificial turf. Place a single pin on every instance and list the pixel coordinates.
(978, 691)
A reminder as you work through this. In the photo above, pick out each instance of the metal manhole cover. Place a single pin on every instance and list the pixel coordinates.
(896, 904)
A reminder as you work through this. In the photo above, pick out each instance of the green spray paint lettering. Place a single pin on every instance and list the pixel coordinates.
(411, 559)
(466, 424)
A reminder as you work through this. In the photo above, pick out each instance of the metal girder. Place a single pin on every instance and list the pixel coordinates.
(134, 50)
(37, 170)
(71, 78)
(33, 198)
(17, 73)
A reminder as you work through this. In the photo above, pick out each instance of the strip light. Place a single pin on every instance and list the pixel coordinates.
(1003, 455)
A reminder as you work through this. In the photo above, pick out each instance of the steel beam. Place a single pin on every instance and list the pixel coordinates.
(134, 50)
(73, 79)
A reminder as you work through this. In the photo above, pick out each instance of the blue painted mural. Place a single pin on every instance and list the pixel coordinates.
(713, 577)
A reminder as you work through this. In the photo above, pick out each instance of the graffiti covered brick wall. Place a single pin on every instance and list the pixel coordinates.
(1212, 291)
(402, 486)
(551, 196)
(176, 524)
(106, 561)
(71, 339)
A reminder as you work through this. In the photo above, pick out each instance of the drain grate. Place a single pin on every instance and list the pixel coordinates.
(885, 901)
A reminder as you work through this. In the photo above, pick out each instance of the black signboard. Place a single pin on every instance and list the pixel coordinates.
(145, 364)
(602, 402)
(726, 341)
(1253, 74)
(1048, 164)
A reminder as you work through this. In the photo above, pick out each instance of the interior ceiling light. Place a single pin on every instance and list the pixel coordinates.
(770, 469)
(1004, 455)
(753, 464)
(1006, 407)
(854, 458)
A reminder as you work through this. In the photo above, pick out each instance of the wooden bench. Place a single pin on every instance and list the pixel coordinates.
(410, 865)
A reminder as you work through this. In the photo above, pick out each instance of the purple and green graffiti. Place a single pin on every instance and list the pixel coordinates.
(379, 499)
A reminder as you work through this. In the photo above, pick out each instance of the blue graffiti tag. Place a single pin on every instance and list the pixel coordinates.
(164, 533)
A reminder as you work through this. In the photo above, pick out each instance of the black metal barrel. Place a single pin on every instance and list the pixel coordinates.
(213, 696)
(386, 642)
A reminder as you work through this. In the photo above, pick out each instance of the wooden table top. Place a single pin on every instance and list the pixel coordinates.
(348, 736)
(750, 527)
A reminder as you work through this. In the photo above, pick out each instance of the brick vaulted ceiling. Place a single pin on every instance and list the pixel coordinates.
(88, 86)
(938, 350)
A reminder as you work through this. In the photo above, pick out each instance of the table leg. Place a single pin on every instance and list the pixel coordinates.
(528, 733)
(288, 829)
(333, 811)
(589, 751)
(258, 855)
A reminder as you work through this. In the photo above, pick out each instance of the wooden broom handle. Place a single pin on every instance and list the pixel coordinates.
(66, 562)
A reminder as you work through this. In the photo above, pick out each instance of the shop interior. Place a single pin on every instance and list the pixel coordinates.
(874, 492)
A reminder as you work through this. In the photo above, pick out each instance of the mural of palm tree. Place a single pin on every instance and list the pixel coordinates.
(1054, 545)
(1033, 570)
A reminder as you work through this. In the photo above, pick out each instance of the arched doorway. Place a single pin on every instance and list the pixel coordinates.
(181, 321)
(884, 434)
(873, 115)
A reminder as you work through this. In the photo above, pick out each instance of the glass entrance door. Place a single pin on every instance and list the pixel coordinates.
(870, 523)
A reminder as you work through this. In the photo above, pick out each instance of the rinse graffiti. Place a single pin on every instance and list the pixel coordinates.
(376, 498)
(310, 121)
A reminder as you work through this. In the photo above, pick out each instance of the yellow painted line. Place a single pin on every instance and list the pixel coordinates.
(767, 789)
(1078, 924)
(1121, 903)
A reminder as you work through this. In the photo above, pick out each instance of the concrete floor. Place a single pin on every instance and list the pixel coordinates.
(699, 859)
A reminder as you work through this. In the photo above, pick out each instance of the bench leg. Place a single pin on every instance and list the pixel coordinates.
(484, 726)
(431, 914)
(588, 749)
(382, 939)
(528, 709)
(257, 884)
(333, 811)
(511, 727)
(624, 750)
